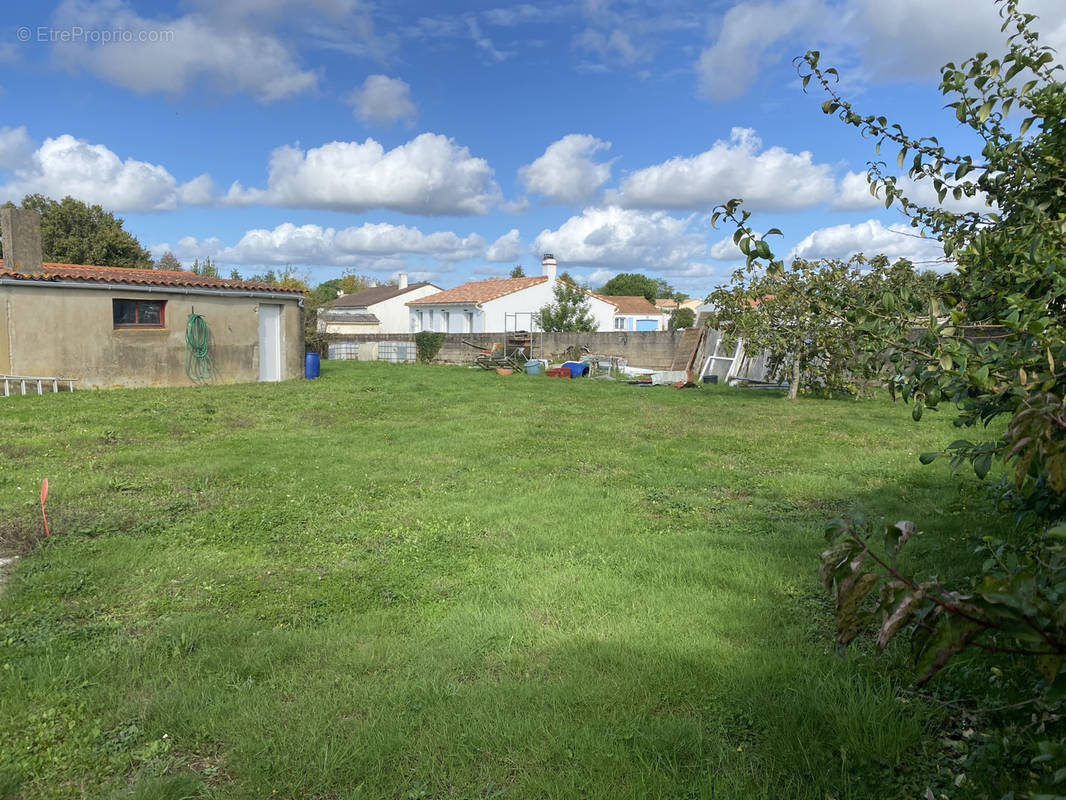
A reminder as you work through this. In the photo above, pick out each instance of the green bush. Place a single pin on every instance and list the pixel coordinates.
(428, 344)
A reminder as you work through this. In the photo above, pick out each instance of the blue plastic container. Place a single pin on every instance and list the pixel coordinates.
(312, 364)
(577, 369)
(533, 367)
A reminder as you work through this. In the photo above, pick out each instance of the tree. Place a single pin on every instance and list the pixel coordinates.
(169, 261)
(681, 318)
(517, 272)
(207, 269)
(75, 233)
(993, 344)
(569, 313)
(794, 313)
(631, 284)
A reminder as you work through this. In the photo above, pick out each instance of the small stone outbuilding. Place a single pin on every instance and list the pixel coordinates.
(108, 327)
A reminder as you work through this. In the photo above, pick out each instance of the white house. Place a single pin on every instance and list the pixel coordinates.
(636, 314)
(379, 309)
(510, 304)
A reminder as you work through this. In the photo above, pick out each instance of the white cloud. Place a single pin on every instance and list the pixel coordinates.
(566, 173)
(430, 174)
(15, 147)
(773, 179)
(383, 99)
(870, 238)
(484, 43)
(873, 39)
(94, 174)
(613, 45)
(745, 43)
(170, 55)
(372, 245)
(854, 195)
(507, 248)
(725, 250)
(624, 239)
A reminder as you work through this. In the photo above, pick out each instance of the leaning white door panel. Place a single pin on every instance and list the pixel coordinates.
(269, 342)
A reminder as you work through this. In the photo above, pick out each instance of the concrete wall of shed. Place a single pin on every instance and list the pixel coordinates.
(69, 332)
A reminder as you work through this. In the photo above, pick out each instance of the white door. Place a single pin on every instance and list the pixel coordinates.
(269, 342)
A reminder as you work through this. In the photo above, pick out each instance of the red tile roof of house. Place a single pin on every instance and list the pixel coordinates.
(631, 305)
(479, 291)
(134, 277)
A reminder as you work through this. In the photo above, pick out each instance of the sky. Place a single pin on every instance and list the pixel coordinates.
(453, 141)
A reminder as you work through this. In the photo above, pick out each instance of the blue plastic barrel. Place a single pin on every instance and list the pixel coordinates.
(533, 367)
(312, 364)
(577, 369)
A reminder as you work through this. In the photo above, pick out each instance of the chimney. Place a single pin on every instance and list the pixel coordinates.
(21, 231)
(548, 267)
(403, 281)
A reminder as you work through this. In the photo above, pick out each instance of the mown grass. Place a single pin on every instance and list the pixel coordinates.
(403, 581)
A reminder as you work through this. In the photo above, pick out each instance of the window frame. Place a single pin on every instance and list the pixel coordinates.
(137, 303)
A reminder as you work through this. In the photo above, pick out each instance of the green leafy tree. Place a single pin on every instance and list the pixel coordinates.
(73, 232)
(569, 313)
(631, 284)
(169, 261)
(795, 313)
(681, 318)
(207, 268)
(992, 344)
(518, 272)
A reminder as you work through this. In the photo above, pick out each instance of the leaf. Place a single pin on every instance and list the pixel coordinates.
(928, 458)
(916, 412)
(982, 464)
(849, 620)
(1048, 667)
(951, 635)
(984, 111)
(897, 619)
(1056, 469)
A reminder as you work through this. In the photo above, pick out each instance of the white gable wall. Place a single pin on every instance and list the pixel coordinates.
(393, 313)
(492, 315)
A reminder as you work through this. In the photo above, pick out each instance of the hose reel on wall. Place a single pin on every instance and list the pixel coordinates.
(199, 367)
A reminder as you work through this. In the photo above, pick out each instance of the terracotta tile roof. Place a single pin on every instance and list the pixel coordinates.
(632, 305)
(479, 291)
(666, 303)
(134, 277)
(376, 294)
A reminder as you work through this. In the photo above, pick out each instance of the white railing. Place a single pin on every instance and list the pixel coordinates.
(39, 385)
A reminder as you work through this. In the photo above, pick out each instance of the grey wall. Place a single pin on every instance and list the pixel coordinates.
(650, 349)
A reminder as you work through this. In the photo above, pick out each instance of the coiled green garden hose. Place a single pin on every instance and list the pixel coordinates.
(198, 365)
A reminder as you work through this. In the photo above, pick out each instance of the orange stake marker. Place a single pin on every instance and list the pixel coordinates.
(44, 496)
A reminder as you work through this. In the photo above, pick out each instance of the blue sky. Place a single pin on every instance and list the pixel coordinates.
(453, 141)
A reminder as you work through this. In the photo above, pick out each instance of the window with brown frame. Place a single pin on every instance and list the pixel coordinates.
(139, 313)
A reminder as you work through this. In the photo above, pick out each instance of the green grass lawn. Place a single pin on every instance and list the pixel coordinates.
(407, 582)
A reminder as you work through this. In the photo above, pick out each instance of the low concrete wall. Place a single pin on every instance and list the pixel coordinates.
(650, 349)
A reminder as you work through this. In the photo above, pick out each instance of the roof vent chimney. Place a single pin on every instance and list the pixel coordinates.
(548, 266)
(403, 281)
(21, 231)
